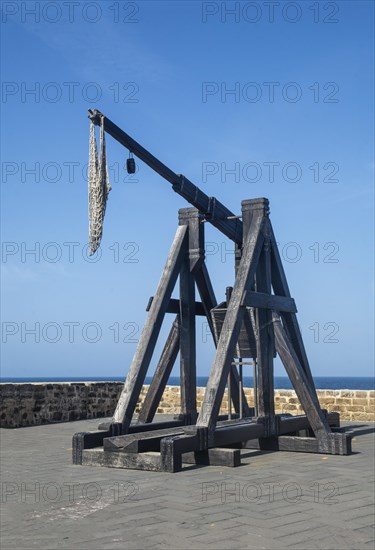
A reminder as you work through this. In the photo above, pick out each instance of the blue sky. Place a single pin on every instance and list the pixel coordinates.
(208, 92)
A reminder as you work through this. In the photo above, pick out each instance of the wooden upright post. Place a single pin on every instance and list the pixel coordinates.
(265, 341)
(191, 263)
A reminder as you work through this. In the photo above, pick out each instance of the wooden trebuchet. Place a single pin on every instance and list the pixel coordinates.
(260, 296)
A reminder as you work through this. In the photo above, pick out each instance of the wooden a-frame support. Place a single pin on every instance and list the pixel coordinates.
(206, 436)
(186, 258)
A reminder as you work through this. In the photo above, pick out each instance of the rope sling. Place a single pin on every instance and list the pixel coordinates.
(98, 187)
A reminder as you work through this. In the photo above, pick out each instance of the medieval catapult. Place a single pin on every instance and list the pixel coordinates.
(256, 322)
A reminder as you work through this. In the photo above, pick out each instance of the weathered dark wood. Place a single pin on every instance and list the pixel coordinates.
(297, 375)
(174, 422)
(338, 444)
(208, 298)
(288, 424)
(193, 256)
(269, 301)
(138, 369)
(172, 448)
(217, 456)
(281, 288)
(162, 425)
(252, 210)
(161, 375)
(240, 431)
(86, 440)
(223, 420)
(258, 268)
(246, 343)
(193, 218)
(104, 426)
(215, 212)
(206, 291)
(143, 461)
(291, 425)
(231, 328)
(174, 307)
(139, 442)
(333, 419)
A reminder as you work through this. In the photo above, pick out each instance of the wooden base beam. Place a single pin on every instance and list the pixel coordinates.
(336, 444)
(214, 457)
(142, 461)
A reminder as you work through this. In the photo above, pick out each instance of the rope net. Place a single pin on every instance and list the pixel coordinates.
(98, 187)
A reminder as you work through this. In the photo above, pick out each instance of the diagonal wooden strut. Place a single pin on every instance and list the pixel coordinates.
(301, 384)
(146, 345)
(280, 287)
(161, 375)
(231, 327)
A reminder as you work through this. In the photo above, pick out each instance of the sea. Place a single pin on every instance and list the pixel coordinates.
(281, 382)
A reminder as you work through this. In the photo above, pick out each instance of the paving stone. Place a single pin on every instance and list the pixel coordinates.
(169, 511)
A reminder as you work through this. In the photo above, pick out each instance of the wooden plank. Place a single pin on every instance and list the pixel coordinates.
(146, 345)
(223, 420)
(333, 419)
(188, 379)
(194, 218)
(288, 424)
(86, 440)
(172, 448)
(174, 307)
(143, 461)
(217, 456)
(301, 385)
(229, 334)
(300, 422)
(269, 301)
(208, 298)
(139, 442)
(292, 424)
(281, 288)
(161, 375)
(265, 379)
(246, 343)
(240, 431)
(264, 329)
(206, 292)
(139, 428)
(340, 444)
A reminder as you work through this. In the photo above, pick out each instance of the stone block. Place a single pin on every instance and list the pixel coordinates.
(326, 400)
(361, 393)
(355, 408)
(347, 393)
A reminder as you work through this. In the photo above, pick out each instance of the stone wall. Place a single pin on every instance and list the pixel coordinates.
(351, 404)
(43, 403)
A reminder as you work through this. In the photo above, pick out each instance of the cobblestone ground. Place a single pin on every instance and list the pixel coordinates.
(276, 500)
